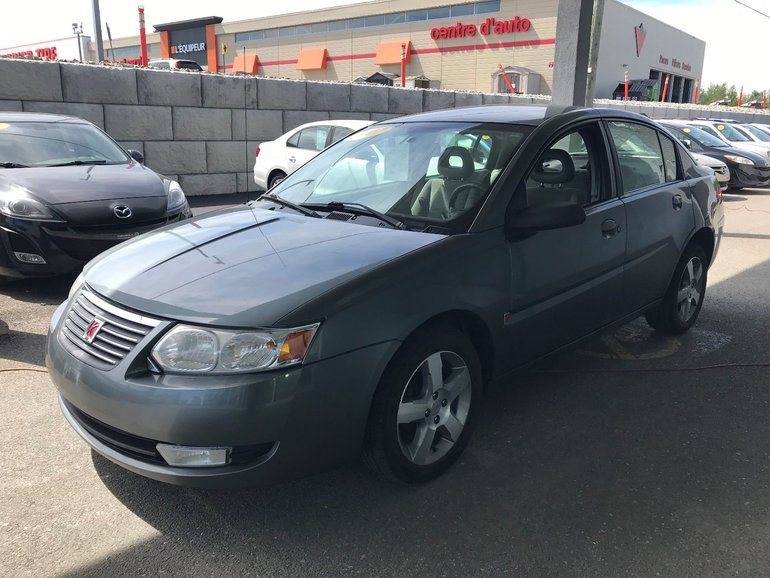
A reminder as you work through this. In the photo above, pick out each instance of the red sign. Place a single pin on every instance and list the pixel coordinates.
(49, 53)
(641, 35)
(489, 26)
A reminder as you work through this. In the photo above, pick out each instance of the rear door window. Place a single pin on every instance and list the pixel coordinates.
(639, 153)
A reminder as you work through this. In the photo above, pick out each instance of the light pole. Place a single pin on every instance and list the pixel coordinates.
(78, 30)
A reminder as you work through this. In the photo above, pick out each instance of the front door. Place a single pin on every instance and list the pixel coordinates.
(305, 144)
(567, 282)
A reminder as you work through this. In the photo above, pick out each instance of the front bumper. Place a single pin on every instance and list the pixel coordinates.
(281, 424)
(749, 176)
(64, 249)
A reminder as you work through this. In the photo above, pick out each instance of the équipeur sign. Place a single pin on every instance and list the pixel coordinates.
(486, 28)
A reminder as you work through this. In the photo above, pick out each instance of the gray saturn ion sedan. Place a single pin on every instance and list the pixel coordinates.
(361, 306)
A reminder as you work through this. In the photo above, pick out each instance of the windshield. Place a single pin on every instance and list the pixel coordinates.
(731, 134)
(41, 144)
(423, 172)
(700, 136)
(714, 133)
(759, 134)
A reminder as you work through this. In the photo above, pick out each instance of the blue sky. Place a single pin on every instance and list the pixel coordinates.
(736, 37)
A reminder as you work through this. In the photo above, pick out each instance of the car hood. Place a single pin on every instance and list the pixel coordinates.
(707, 161)
(61, 185)
(243, 267)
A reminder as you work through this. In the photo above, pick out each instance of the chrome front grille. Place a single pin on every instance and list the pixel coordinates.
(101, 334)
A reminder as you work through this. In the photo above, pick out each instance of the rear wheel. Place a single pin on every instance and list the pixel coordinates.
(425, 406)
(683, 301)
(275, 178)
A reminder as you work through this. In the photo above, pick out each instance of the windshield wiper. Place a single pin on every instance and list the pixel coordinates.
(299, 208)
(361, 209)
(78, 163)
(12, 165)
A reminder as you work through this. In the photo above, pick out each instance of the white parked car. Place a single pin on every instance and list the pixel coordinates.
(720, 169)
(728, 132)
(278, 158)
(174, 64)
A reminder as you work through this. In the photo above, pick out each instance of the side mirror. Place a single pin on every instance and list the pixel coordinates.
(543, 217)
(136, 155)
(687, 143)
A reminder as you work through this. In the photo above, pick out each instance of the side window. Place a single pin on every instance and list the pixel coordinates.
(669, 159)
(293, 140)
(313, 138)
(639, 155)
(341, 132)
(570, 170)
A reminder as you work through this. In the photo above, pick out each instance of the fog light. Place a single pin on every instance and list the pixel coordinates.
(29, 258)
(193, 457)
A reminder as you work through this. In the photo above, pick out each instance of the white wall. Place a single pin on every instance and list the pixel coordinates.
(618, 47)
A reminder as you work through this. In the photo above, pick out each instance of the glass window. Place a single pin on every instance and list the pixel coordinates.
(434, 13)
(319, 27)
(287, 31)
(731, 134)
(397, 18)
(416, 15)
(337, 25)
(375, 20)
(55, 143)
(341, 132)
(639, 155)
(669, 159)
(271, 33)
(388, 167)
(356, 22)
(758, 133)
(462, 10)
(562, 174)
(713, 132)
(487, 7)
(303, 29)
(243, 36)
(313, 138)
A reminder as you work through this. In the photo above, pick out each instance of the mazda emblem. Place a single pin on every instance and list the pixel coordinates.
(122, 212)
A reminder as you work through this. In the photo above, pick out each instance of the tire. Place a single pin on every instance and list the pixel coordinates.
(418, 427)
(275, 178)
(684, 298)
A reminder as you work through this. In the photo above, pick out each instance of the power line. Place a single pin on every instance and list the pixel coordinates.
(752, 8)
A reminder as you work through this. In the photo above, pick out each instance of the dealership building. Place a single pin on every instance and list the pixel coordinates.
(448, 45)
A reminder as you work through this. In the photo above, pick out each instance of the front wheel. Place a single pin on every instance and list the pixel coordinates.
(683, 301)
(425, 406)
(275, 178)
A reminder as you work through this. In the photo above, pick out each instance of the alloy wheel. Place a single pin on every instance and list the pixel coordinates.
(690, 290)
(434, 408)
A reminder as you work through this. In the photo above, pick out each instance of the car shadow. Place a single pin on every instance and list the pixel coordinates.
(732, 198)
(43, 291)
(23, 347)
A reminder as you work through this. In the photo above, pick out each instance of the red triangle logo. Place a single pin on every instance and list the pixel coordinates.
(641, 35)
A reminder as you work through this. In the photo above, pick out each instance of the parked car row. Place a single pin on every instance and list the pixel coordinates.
(743, 148)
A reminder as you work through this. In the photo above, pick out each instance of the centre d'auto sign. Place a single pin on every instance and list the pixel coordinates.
(488, 27)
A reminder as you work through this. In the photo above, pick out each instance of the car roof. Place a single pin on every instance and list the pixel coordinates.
(38, 117)
(528, 114)
(348, 123)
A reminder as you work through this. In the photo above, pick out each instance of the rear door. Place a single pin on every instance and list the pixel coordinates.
(305, 144)
(566, 283)
(659, 209)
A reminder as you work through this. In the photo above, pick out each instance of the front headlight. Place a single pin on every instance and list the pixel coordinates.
(739, 160)
(176, 196)
(197, 350)
(17, 203)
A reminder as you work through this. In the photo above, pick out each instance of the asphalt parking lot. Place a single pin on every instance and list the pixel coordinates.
(634, 455)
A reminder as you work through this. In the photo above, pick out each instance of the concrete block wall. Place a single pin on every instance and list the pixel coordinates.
(203, 129)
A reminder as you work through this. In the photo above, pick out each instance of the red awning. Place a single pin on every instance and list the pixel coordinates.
(245, 63)
(312, 58)
(389, 51)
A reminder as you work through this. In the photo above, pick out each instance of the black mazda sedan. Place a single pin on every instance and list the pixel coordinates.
(361, 306)
(69, 192)
(747, 168)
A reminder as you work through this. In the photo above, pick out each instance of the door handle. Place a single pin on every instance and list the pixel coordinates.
(609, 228)
(676, 200)
(293, 159)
